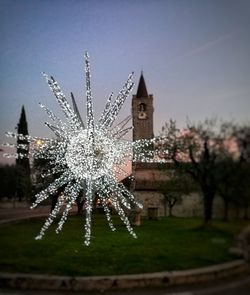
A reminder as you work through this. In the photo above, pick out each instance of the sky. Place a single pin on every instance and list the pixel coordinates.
(194, 55)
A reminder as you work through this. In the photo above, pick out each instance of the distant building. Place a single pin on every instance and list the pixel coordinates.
(146, 175)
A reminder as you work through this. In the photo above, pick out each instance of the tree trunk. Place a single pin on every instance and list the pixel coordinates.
(170, 208)
(237, 212)
(165, 208)
(246, 213)
(226, 203)
(79, 205)
(208, 206)
(54, 199)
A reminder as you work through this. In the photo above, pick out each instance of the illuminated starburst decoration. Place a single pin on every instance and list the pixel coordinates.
(87, 157)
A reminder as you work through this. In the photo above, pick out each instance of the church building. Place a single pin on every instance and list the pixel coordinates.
(146, 176)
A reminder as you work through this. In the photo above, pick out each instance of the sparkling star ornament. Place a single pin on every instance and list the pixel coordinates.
(88, 157)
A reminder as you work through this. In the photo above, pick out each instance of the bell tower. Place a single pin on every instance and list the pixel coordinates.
(146, 175)
(142, 112)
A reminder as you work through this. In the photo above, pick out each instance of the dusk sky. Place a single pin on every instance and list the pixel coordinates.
(195, 56)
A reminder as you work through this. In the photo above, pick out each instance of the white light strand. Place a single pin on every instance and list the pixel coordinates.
(61, 99)
(89, 204)
(106, 109)
(71, 193)
(52, 188)
(114, 109)
(107, 212)
(123, 217)
(51, 218)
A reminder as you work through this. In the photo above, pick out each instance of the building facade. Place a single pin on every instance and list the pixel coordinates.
(146, 175)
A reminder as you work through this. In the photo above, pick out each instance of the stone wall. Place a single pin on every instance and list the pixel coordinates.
(150, 199)
(191, 205)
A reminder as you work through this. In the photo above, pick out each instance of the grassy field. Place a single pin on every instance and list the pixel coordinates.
(166, 244)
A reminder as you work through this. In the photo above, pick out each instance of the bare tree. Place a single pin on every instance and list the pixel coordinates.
(234, 168)
(175, 186)
(195, 151)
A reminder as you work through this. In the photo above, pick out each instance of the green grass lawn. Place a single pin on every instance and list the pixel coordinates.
(166, 244)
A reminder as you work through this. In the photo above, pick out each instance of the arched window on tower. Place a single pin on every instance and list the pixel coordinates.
(142, 107)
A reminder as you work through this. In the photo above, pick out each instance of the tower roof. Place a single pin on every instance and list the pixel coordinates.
(22, 126)
(142, 89)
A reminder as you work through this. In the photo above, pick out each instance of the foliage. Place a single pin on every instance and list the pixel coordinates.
(14, 182)
(40, 169)
(8, 181)
(243, 187)
(242, 135)
(233, 170)
(197, 146)
(23, 187)
(174, 187)
(228, 180)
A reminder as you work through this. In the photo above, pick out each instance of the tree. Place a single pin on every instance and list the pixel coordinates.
(243, 187)
(195, 151)
(8, 181)
(173, 189)
(227, 167)
(234, 176)
(227, 183)
(242, 135)
(22, 162)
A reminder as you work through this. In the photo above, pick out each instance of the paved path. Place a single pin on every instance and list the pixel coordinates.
(11, 214)
(238, 286)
